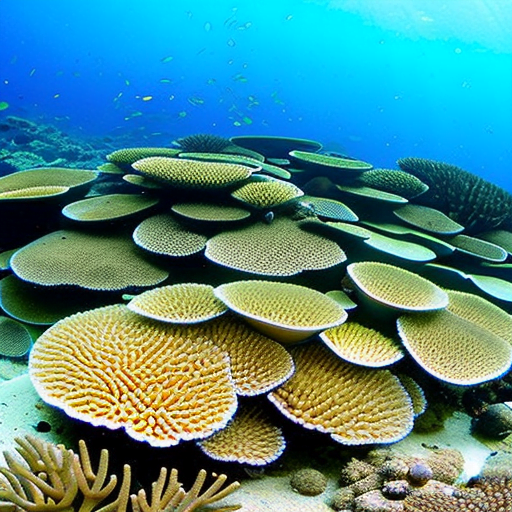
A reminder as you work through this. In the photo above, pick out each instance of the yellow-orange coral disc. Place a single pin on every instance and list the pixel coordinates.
(112, 367)
(356, 405)
(258, 364)
(251, 438)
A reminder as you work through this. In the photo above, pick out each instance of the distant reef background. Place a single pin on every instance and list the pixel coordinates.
(26, 144)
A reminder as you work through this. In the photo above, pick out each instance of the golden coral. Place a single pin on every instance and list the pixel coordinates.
(454, 349)
(258, 364)
(185, 303)
(192, 173)
(49, 478)
(112, 367)
(282, 249)
(264, 192)
(395, 287)
(89, 260)
(162, 234)
(284, 311)
(250, 438)
(355, 405)
(361, 345)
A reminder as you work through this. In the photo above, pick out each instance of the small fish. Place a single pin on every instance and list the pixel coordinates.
(4, 105)
(276, 99)
(127, 82)
(237, 123)
(239, 78)
(32, 72)
(245, 26)
(231, 43)
(164, 60)
(247, 120)
(201, 51)
(171, 97)
(118, 96)
(165, 81)
(56, 95)
(182, 114)
(137, 113)
(211, 81)
(207, 26)
(147, 98)
(195, 100)
(229, 18)
(289, 17)
(230, 62)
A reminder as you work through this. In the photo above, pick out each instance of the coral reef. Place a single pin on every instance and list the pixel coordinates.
(50, 477)
(27, 144)
(436, 300)
(383, 480)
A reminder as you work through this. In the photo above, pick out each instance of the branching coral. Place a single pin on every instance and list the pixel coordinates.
(51, 478)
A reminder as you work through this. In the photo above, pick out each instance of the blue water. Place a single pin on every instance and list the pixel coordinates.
(377, 79)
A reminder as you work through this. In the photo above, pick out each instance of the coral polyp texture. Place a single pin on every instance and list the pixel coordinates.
(396, 287)
(396, 182)
(454, 349)
(193, 174)
(361, 345)
(355, 405)
(162, 234)
(266, 192)
(185, 303)
(89, 260)
(203, 143)
(114, 368)
(250, 438)
(489, 494)
(258, 364)
(286, 312)
(283, 249)
(465, 197)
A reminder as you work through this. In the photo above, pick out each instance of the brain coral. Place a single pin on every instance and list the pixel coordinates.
(112, 367)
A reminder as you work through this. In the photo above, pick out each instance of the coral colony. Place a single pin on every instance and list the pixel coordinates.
(223, 291)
